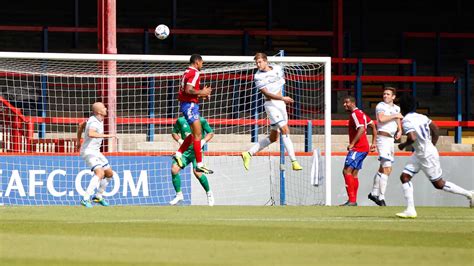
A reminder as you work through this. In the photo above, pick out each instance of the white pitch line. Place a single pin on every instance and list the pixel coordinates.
(341, 219)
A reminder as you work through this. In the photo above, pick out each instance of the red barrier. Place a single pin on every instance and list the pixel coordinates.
(220, 121)
(15, 124)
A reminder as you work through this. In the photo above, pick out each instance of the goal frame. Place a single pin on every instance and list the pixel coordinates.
(110, 58)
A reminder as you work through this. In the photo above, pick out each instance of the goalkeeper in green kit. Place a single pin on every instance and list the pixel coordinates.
(181, 130)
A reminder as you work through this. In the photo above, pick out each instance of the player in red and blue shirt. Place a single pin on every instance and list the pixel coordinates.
(358, 147)
(189, 94)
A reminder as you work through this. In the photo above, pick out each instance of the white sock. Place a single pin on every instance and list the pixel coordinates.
(102, 186)
(260, 145)
(376, 186)
(92, 187)
(408, 193)
(453, 188)
(289, 146)
(201, 164)
(383, 185)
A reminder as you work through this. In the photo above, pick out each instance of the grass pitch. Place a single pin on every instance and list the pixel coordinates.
(234, 235)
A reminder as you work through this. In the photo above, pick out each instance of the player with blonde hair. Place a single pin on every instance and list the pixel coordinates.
(270, 80)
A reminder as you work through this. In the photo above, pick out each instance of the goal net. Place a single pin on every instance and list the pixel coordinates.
(44, 97)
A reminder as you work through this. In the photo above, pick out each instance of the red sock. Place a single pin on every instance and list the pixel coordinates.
(355, 188)
(349, 186)
(197, 150)
(187, 141)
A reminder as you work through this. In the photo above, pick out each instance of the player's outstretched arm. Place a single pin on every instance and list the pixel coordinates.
(205, 92)
(177, 138)
(209, 132)
(278, 97)
(80, 130)
(207, 138)
(382, 117)
(92, 133)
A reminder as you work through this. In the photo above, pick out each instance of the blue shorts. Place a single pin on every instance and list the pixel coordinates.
(190, 111)
(354, 159)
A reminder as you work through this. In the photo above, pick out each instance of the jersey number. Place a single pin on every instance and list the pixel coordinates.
(425, 131)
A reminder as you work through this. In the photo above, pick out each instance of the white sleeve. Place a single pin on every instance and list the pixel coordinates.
(281, 74)
(94, 125)
(397, 109)
(279, 70)
(407, 126)
(380, 108)
(259, 83)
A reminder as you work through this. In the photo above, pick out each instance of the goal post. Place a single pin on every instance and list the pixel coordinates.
(46, 95)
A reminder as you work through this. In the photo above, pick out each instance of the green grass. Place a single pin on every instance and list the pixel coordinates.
(228, 235)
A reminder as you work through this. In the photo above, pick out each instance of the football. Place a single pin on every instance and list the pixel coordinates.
(162, 31)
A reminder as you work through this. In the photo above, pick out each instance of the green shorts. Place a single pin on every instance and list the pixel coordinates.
(187, 158)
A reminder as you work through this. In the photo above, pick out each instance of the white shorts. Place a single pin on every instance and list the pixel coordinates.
(276, 111)
(430, 166)
(385, 148)
(95, 160)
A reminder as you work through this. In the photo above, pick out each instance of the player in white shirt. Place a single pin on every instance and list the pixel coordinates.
(90, 152)
(389, 129)
(270, 80)
(422, 134)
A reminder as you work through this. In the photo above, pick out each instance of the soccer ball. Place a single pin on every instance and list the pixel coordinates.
(162, 31)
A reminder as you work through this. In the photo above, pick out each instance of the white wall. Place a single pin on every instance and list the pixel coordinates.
(232, 185)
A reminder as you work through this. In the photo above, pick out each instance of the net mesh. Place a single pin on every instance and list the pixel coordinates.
(43, 101)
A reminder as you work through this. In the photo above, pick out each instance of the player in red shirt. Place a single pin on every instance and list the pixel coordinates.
(189, 94)
(358, 147)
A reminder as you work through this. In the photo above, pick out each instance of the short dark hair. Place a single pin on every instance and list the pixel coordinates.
(194, 58)
(407, 103)
(392, 89)
(351, 98)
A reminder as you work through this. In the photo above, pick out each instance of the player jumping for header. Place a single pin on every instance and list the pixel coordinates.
(189, 94)
(270, 80)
